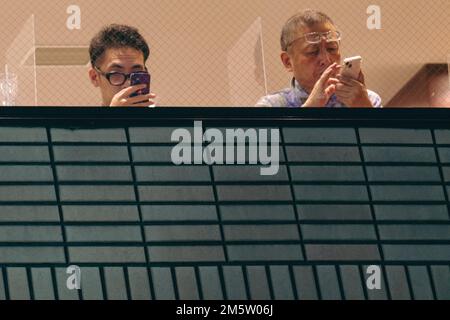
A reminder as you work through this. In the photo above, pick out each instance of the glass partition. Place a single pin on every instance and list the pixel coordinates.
(20, 68)
(246, 70)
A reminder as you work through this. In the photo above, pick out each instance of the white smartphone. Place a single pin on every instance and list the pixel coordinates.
(352, 67)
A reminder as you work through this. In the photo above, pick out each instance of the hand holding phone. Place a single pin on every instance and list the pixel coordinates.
(351, 90)
(352, 67)
(140, 78)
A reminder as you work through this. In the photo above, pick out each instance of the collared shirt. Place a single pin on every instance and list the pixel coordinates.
(296, 96)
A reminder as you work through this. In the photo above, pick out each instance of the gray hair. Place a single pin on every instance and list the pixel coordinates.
(306, 18)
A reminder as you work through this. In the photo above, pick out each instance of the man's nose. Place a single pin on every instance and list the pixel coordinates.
(324, 55)
(127, 83)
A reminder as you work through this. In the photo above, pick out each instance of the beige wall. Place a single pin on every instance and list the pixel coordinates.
(190, 40)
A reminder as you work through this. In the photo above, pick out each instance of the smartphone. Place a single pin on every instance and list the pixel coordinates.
(352, 67)
(140, 78)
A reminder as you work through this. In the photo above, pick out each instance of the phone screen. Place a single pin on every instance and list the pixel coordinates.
(140, 78)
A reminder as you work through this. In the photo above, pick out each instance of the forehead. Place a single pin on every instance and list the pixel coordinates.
(122, 56)
(318, 27)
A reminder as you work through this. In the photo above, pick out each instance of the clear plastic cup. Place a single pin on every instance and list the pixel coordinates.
(8, 89)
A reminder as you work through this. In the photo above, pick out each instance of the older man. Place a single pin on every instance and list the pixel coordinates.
(311, 50)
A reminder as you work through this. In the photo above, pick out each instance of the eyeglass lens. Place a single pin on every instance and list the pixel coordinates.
(316, 37)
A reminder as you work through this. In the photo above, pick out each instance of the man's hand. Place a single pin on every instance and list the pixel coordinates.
(353, 93)
(122, 98)
(324, 88)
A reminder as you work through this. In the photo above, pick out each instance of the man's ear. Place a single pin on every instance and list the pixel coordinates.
(286, 59)
(93, 76)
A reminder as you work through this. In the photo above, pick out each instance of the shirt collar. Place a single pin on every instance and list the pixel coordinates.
(297, 96)
(295, 86)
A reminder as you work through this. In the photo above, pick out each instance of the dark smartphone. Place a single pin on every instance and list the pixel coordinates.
(140, 78)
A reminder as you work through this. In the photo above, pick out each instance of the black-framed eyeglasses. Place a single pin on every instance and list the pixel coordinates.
(116, 78)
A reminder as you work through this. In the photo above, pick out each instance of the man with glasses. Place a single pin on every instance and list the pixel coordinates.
(116, 52)
(310, 44)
